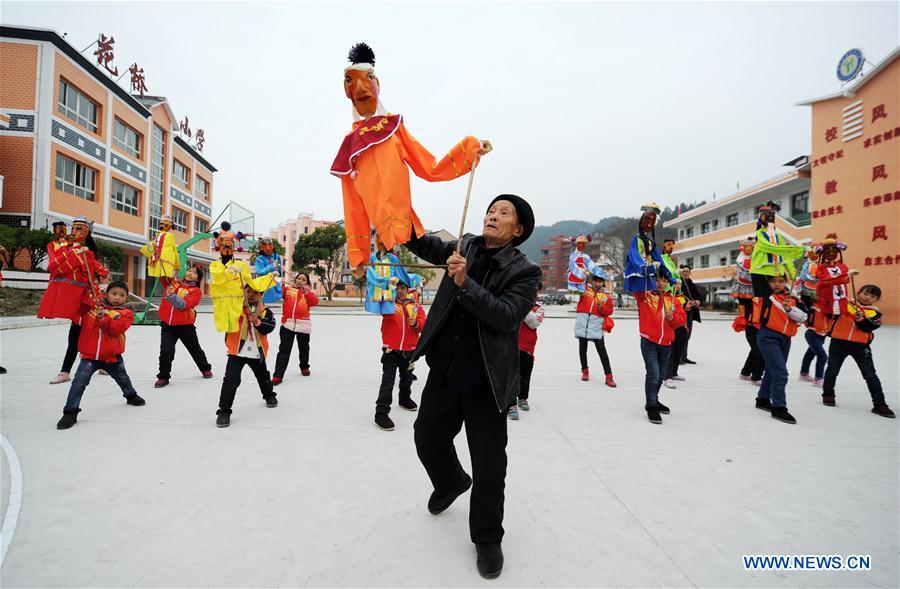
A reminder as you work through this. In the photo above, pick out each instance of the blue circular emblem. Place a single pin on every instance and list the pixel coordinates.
(850, 65)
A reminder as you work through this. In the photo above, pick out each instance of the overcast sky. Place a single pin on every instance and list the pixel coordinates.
(593, 108)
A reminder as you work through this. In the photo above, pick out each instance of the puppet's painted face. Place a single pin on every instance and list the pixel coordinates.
(379, 245)
(362, 88)
(226, 247)
(580, 245)
(60, 231)
(748, 248)
(767, 217)
(668, 247)
(648, 222)
(267, 247)
(80, 232)
(830, 253)
(165, 225)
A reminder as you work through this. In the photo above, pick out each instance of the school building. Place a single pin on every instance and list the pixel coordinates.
(73, 142)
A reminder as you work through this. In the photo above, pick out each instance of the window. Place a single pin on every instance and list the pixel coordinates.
(157, 175)
(745, 216)
(734, 256)
(800, 204)
(306, 230)
(76, 106)
(704, 228)
(200, 225)
(202, 187)
(715, 226)
(689, 262)
(74, 178)
(704, 261)
(125, 198)
(681, 234)
(731, 220)
(179, 219)
(689, 231)
(723, 260)
(127, 139)
(180, 173)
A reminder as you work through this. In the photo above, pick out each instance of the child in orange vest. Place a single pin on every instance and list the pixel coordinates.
(851, 335)
(177, 314)
(247, 347)
(817, 325)
(659, 315)
(778, 316)
(399, 336)
(101, 343)
(295, 324)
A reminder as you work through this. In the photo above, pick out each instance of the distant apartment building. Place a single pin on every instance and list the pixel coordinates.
(287, 234)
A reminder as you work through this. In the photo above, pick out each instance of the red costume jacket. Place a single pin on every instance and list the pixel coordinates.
(189, 296)
(528, 334)
(396, 332)
(652, 307)
(831, 289)
(297, 304)
(103, 339)
(68, 293)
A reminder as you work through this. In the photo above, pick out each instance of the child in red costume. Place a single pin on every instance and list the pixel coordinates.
(592, 319)
(296, 323)
(177, 314)
(833, 276)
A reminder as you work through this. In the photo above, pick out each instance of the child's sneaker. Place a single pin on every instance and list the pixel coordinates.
(271, 401)
(206, 373)
(781, 414)
(514, 413)
(610, 382)
(818, 382)
(223, 420)
(70, 417)
(585, 375)
(662, 408)
(136, 400)
(806, 377)
(276, 380)
(304, 371)
(764, 404)
(523, 405)
(828, 400)
(653, 415)
(744, 377)
(408, 404)
(883, 410)
(60, 378)
(160, 383)
(384, 422)
(669, 384)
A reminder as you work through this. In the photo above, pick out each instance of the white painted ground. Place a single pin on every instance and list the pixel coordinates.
(312, 494)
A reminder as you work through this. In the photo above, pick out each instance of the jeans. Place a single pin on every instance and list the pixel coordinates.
(656, 357)
(232, 380)
(443, 411)
(775, 348)
(86, 369)
(284, 350)
(676, 352)
(391, 362)
(862, 353)
(71, 348)
(600, 345)
(755, 364)
(815, 350)
(169, 336)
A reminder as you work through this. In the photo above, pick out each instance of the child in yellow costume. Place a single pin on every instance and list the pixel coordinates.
(228, 279)
(162, 256)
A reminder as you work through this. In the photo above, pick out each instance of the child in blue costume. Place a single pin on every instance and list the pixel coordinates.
(267, 262)
(381, 279)
(643, 255)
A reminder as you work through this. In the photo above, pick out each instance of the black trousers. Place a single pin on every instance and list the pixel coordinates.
(443, 411)
(232, 380)
(168, 337)
(755, 364)
(71, 348)
(601, 351)
(284, 350)
(761, 286)
(838, 351)
(391, 363)
(689, 326)
(676, 352)
(526, 365)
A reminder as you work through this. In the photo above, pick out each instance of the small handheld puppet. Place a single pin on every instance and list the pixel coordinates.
(581, 265)
(161, 253)
(833, 276)
(268, 262)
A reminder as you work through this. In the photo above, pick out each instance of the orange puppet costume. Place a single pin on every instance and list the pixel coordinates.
(374, 160)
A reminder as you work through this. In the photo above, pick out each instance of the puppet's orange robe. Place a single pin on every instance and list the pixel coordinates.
(372, 165)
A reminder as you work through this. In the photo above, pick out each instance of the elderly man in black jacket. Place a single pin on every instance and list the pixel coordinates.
(470, 342)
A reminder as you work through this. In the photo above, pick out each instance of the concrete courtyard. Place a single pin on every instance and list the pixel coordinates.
(313, 494)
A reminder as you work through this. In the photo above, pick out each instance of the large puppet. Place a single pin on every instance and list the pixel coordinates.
(74, 276)
(373, 163)
(581, 265)
(771, 255)
(161, 253)
(832, 275)
(643, 254)
(269, 262)
(228, 279)
(381, 279)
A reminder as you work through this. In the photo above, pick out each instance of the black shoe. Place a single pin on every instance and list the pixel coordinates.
(3, 371)
(223, 420)
(883, 410)
(489, 561)
(653, 415)
(781, 414)
(271, 401)
(409, 405)
(828, 400)
(764, 404)
(687, 361)
(439, 502)
(136, 400)
(384, 422)
(68, 419)
(411, 376)
(662, 408)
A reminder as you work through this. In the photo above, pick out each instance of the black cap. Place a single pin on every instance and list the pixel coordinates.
(58, 223)
(523, 212)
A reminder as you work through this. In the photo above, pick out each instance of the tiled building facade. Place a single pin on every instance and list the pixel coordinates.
(76, 143)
